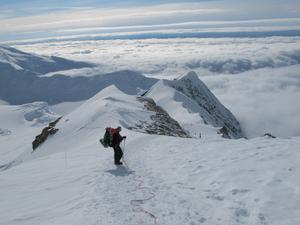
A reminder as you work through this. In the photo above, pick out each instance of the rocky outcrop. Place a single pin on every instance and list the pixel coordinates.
(269, 135)
(224, 132)
(41, 138)
(161, 124)
(5, 132)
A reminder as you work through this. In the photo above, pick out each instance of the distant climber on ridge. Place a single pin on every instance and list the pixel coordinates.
(112, 138)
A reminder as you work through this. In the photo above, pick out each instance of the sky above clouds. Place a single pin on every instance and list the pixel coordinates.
(36, 19)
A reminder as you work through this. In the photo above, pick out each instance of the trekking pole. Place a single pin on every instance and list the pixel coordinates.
(124, 150)
(125, 163)
(124, 145)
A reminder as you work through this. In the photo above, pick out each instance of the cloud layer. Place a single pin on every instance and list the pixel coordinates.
(173, 57)
(264, 100)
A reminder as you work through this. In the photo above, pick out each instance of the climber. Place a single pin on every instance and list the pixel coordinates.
(116, 140)
(112, 138)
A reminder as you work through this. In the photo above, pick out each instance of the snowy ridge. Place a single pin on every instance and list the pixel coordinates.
(110, 107)
(190, 102)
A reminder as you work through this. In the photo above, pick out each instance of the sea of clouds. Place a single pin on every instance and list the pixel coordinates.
(263, 100)
(258, 79)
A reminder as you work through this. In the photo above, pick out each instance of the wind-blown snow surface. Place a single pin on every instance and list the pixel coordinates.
(71, 179)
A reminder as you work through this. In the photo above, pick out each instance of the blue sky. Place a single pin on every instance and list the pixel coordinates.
(37, 19)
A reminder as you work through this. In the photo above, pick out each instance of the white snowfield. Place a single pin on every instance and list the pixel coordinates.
(71, 179)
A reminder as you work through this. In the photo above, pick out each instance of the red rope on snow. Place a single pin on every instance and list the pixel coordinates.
(136, 203)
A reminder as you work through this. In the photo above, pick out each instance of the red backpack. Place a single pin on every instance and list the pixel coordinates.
(107, 139)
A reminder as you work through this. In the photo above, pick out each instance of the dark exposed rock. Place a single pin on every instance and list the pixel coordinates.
(224, 132)
(162, 123)
(269, 135)
(49, 130)
(5, 132)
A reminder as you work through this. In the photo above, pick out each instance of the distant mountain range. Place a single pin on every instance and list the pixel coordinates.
(22, 79)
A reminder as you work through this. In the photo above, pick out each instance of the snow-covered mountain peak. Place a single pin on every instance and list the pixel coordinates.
(192, 75)
(193, 78)
(191, 83)
(195, 101)
(109, 92)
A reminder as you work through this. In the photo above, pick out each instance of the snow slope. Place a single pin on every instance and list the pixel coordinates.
(191, 103)
(71, 179)
(19, 125)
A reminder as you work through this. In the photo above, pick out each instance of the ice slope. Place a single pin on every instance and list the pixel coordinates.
(71, 179)
(191, 103)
